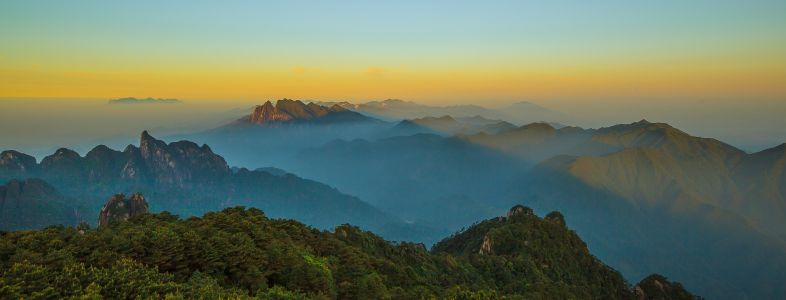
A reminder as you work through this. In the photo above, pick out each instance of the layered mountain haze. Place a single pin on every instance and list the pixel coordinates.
(393, 150)
(645, 197)
(628, 179)
(188, 179)
(653, 163)
(444, 181)
(395, 109)
(271, 134)
(447, 125)
(661, 165)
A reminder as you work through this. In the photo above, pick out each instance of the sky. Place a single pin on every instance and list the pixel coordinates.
(712, 68)
(427, 51)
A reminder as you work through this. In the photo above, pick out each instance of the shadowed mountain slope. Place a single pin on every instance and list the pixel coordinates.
(32, 203)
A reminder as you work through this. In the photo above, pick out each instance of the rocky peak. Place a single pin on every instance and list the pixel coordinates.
(337, 108)
(119, 208)
(539, 126)
(519, 211)
(16, 161)
(267, 113)
(65, 153)
(180, 163)
(148, 145)
(658, 287)
(296, 109)
(63, 159)
(316, 110)
(555, 217)
(287, 110)
(100, 150)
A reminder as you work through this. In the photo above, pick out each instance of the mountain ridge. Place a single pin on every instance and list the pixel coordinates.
(184, 171)
(295, 111)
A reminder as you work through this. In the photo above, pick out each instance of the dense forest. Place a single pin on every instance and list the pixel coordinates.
(241, 253)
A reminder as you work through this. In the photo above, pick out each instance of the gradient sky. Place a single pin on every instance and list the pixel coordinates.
(427, 51)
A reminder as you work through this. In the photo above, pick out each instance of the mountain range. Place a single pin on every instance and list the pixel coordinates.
(394, 109)
(295, 111)
(658, 188)
(180, 177)
(657, 164)
(646, 197)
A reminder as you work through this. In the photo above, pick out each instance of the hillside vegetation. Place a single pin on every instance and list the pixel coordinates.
(240, 253)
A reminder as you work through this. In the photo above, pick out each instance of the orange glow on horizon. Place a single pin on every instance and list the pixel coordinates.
(406, 83)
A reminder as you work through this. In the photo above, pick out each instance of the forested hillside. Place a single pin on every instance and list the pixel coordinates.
(239, 253)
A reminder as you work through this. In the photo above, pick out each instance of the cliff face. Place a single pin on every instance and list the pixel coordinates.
(15, 161)
(181, 163)
(295, 111)
(154, 163)
(14, 164)
(119, 208)
(268, 113)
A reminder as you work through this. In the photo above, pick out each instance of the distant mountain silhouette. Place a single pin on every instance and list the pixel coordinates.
(657, 164)
(287, 111)
(447, 125)
(149, 100)
(443, 181)
(394, 109)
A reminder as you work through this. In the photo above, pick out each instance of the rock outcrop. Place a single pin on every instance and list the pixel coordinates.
(180, 164)
(119, 208)
(657, 287)
(487, 248)
(14, 164)
(555, 217)
(267, 113)
(295, 111)
(519, 211)
(15, 161)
